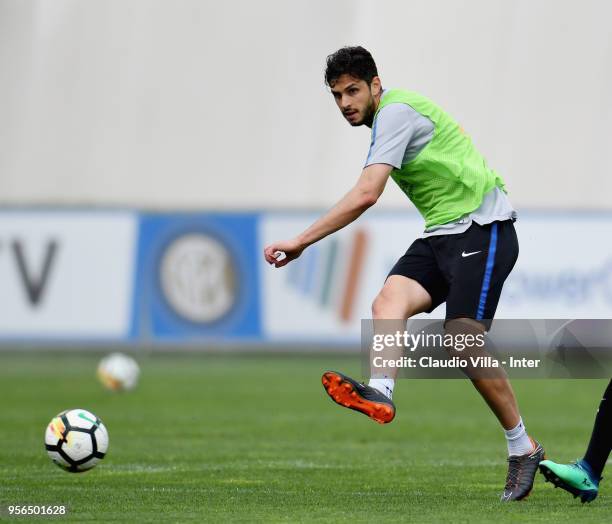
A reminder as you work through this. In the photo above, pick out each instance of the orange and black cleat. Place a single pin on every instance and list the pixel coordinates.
(351, 394)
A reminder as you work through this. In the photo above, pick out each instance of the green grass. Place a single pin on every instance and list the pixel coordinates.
(254, 438)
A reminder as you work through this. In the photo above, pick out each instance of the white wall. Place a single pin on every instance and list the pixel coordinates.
(187, 103)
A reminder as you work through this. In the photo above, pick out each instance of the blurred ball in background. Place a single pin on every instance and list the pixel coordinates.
(118, 372)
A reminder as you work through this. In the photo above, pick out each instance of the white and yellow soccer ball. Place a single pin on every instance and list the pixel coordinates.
(76, 440)
(118, 372)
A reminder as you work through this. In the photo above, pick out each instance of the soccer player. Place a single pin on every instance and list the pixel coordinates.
(582, 478)
(465, 254)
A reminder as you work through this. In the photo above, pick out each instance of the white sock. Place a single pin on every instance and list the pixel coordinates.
(518, 440)
(384, 385)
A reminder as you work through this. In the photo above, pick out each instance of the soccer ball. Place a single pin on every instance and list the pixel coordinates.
(76, 440)
(118, 372)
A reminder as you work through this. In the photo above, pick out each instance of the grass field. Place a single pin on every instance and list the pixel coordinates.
(254, 438)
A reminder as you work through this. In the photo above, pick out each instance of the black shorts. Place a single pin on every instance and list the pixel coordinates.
(466, 270)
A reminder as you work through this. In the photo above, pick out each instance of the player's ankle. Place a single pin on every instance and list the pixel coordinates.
(384, 385)
(519, 443)
(593, 477)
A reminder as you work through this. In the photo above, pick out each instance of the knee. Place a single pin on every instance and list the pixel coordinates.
(467, 335)
(400, 298)
(381, 307)
(384, 307)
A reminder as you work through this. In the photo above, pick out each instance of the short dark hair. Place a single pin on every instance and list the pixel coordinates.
(355, 61)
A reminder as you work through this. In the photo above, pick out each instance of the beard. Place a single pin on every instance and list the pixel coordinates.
(368, 115)
(368, 118)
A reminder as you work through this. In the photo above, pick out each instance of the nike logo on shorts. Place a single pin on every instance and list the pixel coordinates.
(464, 254)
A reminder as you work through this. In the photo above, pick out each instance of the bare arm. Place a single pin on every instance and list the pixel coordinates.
(362, 196)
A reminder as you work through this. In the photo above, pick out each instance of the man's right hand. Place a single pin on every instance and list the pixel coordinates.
(292, 249)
